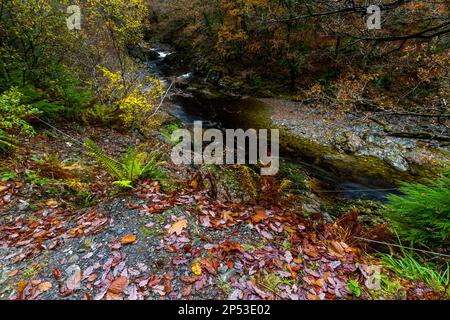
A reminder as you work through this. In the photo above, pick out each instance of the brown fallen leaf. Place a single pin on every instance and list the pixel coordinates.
(52, 204)
(319, 283)
(133, 205)
(260, 215)
(13, 273)
(3, 188)
(227, 216)
(57, 273)
(113, 296)
(178, 227)
(92, 277)
(118, 285)
(229, 246)
(128, 239)
(312, 297)
(187, 291)
(45, 286)
(194, 184)
(336, 249)
(34, 283)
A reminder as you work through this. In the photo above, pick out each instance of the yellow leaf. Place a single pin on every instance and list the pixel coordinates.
(197, 268)
(128, 239)
(44, 286)
(178, 227)
(52, 204)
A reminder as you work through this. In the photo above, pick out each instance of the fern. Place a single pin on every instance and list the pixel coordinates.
(6, 141)
(112, 166)
(135, 165)
(127, 184)
(422, 214)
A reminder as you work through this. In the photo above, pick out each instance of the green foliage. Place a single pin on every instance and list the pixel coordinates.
(291, 176)
(99, 114)
(422, 214)
(64, 94)
(14, 116)
(7, 175)
(354, 287)
(168, 131)
(112, 166)
(415, 269)
(6, 141)
(134, 166)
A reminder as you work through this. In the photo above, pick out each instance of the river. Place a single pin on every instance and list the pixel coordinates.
(222, 113)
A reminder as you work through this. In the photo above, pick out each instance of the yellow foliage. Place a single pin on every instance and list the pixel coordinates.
(137, 103)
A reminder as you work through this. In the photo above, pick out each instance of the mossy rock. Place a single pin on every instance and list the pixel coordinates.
(234, 183)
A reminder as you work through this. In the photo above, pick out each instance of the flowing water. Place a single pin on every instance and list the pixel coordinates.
(231, 113)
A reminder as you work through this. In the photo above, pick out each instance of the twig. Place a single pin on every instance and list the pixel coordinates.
(162, 100)
(403, 247)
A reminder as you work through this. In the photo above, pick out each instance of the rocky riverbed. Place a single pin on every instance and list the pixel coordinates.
(361, 134)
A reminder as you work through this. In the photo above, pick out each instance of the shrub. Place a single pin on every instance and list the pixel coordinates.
(136, 100)
(14, 118)
(422, 214)
(99, 114)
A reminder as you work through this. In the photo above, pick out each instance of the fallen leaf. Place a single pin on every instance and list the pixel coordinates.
(92, 277)
(128, 239)
(227, 215)
(52, 204)
(186, 291)
(133, 205)
(337, 249)
(210, 266)
(230, 246)
(45, 286)
(34, 283)
(73, 282)
(3, 188)
(57, 273)
(311, 251)
(194, 184)
(266, 235)
(197, 268)
(118, 285)
(178, 227)
(289, 229)
(312, 297)
(21, 286)
(260, 215)
(319, 283)
(13, 273)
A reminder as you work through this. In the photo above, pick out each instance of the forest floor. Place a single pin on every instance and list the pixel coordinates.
(152, 244)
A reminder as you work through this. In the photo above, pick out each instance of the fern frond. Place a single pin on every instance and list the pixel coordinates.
(113, 167)
(124, 184)
(6, 141)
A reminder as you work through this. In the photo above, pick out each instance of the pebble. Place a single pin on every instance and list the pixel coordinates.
(73, 259)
